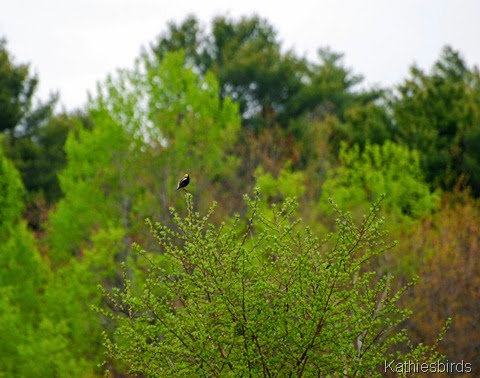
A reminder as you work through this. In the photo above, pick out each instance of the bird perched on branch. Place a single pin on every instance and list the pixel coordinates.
(183, 182)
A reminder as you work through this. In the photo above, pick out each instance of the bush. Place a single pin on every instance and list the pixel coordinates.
(391, 169)
(263, 296)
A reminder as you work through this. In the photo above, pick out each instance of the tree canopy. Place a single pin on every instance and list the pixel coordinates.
(270, 85)
(437, 114)
(229, 301)
(276, 282)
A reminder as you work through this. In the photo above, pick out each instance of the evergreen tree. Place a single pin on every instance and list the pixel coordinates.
(438, 114)
(33, 140)
(271, 86)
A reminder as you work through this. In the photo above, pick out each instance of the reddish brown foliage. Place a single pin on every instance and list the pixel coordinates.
(449, 283)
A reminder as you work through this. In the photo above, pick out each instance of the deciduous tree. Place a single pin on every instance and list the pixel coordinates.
(274, 300)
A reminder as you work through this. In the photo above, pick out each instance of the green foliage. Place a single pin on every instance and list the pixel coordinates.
(93, 182)
(198, 128)
(149, 128)
(438, 114)
(253, 70)
(287, 184)
(32, 140)
(363, 124)
(40, 156)
(329, 88)
(25, 344)
(11, 193)
(16, 90)
(391, 169)
(189, 37)
(258, 295)
(246, 59)
(19, 262)
(242, 300)
(176, 117)
(68, 299)
(271, 86)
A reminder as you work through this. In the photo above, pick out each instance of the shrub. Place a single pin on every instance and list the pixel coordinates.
(363, 176)
(263, 296)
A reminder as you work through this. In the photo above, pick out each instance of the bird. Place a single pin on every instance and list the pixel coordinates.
(183, 182)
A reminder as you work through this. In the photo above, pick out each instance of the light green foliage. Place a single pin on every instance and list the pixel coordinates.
(47, 327)
(11, 194)
(263, 297)
(95, 180)
(23, 277)
(150, 126)
(273, 86)
(34, 346)
(177, 120)
(287, 184)
(246, 57)
(34, 342)
(20, 266)
(390, 169)
(197, 127)
(173, 111)
(87, 233)
(68, 299)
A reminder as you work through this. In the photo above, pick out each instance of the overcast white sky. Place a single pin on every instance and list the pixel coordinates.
(72, 44)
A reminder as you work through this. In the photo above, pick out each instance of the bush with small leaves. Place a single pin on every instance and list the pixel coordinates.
(363, 176)
(262, 297)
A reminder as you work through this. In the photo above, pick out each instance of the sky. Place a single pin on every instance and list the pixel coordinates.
(73, 44)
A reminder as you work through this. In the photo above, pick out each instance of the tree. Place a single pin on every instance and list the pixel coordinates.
(363, 124)
(238, 300)
(391, 169)
(94, 183)
(246, 58)
(21, 268)
(33, 140)
(150, 126)
(445, 247)
(438, 114)
(16, 90)
(329, 88)
(74, 330)
(271, 86)
(32, 344)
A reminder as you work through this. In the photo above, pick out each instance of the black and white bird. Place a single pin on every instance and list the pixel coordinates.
(184, 182)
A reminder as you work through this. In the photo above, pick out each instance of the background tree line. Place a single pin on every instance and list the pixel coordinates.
(235, 110)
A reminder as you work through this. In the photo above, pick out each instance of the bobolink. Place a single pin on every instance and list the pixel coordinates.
(184, 182)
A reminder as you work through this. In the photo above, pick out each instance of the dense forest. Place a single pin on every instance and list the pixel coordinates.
(327, 227)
